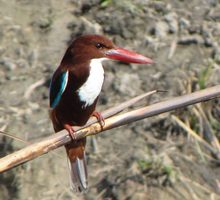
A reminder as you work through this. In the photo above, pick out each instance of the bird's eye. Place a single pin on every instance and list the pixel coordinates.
(99, 46)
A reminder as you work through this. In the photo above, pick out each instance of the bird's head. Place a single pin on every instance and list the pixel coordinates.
(89, 47)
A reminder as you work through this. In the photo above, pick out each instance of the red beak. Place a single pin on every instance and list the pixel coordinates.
(125, 55)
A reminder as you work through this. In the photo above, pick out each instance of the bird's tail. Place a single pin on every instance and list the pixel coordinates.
(77, 165)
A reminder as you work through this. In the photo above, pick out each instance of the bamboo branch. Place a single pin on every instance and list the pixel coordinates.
(119, 108)
(61, 138)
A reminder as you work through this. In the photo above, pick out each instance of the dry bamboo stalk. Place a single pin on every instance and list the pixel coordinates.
(61, 138)
(119, 108)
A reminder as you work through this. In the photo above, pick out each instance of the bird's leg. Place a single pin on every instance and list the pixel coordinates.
(71, 131)
(99, 117)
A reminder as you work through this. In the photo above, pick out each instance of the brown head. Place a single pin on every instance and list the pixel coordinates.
(87, 47)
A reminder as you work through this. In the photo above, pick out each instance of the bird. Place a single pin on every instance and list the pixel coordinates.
(74, 91)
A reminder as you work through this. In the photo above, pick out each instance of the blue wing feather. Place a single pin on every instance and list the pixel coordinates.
(57, 87)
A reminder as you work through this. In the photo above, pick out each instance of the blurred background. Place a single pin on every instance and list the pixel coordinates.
(156, 158)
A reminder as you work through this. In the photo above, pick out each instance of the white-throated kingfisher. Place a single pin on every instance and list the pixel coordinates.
(74, 91)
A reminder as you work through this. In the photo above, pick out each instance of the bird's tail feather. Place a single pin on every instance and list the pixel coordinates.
(77, 167)
(78, 175)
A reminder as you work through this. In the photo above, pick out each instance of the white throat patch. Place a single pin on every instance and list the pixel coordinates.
(90, 90)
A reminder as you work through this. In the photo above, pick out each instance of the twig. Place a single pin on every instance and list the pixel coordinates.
(183, 178)
(13, 137)
(208, 132)
(196, 136)
(61, 138)
(172, 48)
(32, 87)
(117, 109)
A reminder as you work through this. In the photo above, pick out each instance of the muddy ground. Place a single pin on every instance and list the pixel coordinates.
(151, 159)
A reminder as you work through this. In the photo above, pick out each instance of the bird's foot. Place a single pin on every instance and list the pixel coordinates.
(71, 131)
(100, 118)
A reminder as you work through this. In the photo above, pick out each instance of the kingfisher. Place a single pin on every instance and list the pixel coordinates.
(74, 90)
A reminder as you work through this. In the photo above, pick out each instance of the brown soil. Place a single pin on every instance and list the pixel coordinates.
(150, 159)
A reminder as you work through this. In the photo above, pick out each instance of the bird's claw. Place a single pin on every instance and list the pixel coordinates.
(100, 118)
(71, 131)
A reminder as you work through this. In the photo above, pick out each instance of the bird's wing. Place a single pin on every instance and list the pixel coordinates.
(57, 87)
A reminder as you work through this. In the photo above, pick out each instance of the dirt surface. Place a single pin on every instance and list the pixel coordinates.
(151, 159)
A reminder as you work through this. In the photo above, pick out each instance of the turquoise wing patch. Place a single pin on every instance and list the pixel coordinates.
(57, 87)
